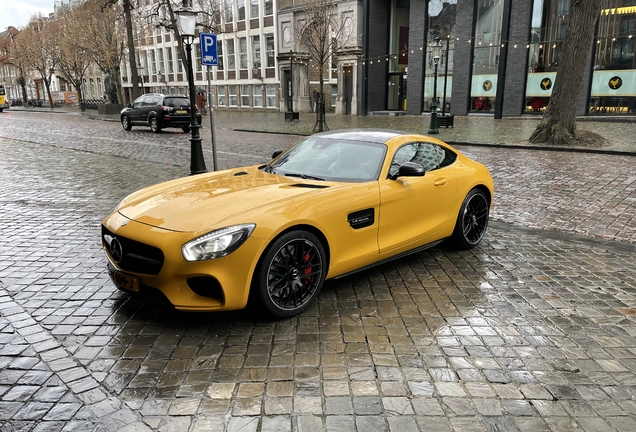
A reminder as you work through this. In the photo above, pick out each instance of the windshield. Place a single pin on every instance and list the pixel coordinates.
(331, 159)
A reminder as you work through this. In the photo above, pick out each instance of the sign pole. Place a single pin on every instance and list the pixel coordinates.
(209, 58)
(212, 133)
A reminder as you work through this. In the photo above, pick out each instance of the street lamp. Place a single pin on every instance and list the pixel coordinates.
(187, 21)
(436, 50)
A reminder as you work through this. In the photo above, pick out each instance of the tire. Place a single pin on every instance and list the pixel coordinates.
(291, 273)
(185, 128)
(154, 125)
(472, 220)
(125, 123)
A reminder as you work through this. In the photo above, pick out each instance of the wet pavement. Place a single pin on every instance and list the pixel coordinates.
(533, 330)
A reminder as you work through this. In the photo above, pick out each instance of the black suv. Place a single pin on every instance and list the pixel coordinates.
(158, 111)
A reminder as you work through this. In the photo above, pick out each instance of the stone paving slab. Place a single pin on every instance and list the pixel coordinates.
(526, 332)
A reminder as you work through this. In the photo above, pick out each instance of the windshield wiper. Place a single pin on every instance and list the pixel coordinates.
(304, 176)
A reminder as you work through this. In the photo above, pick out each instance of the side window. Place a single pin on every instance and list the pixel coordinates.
(138, 102)
(430, 156)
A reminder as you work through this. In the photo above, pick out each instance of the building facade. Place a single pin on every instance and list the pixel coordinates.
(498, 57)
(247, 75)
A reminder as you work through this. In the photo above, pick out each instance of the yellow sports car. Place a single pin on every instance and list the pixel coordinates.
(333, 204)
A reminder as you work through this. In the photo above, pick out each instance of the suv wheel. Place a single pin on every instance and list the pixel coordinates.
(125, 123)
(154, 125)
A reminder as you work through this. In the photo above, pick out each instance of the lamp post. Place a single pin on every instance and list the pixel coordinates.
(186, 21)
(436, 49)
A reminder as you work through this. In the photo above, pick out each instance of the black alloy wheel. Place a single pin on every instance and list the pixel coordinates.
(291, 273)
(125, 123)
(472, 220)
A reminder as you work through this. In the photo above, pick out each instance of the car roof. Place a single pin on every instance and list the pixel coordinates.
(367, 135)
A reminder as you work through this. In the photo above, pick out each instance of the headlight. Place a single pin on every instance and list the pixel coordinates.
(217, 244)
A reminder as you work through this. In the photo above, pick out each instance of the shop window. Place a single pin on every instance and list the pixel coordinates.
(243, 53)
(240, 4)
(258, 96)
(613, 90)
(271, 95)
(232, 97)
(270, 49)
(220, 91)
(245, 95)
(486, 51)
(254, 9)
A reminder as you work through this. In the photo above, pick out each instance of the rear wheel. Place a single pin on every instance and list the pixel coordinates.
(154, 125)
(291, 273)
(472, 220)
(185, 128)
(125, 123)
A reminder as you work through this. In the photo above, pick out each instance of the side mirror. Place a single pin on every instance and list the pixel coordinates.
(276, 153)
(411, 169)
(129, 105)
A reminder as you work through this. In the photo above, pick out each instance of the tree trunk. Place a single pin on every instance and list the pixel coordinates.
(47, 84)
(558, 125)
(134, 79)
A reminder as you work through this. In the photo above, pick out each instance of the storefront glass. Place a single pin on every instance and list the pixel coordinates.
(398, 55)
(486, 47)
(441, 23)
(549, 24)
(613, 89)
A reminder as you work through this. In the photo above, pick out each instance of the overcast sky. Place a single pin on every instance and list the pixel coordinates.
(17, 13)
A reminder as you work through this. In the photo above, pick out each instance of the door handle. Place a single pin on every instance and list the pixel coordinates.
(440, 182)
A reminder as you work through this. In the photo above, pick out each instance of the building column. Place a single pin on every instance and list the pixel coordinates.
(417, 60)
(463, 60)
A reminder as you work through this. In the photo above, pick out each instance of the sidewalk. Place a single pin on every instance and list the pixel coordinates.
(472, 129)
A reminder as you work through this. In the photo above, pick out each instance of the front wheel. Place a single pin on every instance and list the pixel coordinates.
(125, 123)
(472, 220)
(291, 273)
(154, 125)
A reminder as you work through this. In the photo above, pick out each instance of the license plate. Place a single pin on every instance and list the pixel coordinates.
(182, 111)
(123, 281)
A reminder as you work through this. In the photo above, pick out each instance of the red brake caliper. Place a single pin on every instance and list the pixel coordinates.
(305, 261)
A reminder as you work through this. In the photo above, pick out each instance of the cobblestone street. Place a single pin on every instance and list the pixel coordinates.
(534, 330)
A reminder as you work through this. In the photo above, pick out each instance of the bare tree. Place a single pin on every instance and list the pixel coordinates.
(127, 7)
(104, 39)
(70, 56)
(10, 56)
(558, 125)
(319, 31)
(37, 45)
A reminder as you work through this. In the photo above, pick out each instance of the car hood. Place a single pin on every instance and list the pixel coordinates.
(205, 201)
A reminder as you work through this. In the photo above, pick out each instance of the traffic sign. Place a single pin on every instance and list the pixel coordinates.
(208, 49)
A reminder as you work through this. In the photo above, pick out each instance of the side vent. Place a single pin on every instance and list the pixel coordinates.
(361, 219)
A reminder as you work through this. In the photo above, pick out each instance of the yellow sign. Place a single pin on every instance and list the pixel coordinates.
(615, 83)
(546, 84)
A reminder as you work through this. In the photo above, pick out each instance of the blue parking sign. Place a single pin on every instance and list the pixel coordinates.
(208, 49)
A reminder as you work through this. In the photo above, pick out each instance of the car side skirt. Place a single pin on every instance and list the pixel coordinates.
(389, 259)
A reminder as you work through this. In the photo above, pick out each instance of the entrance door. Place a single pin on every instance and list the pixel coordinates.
(348, 89)
(394, 94)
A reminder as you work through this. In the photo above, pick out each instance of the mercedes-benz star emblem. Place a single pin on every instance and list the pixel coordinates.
(116, 251)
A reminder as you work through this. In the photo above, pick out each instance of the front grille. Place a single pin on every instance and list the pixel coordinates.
(135, 256)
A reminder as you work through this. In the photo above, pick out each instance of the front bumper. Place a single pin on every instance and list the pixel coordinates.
(213, 285)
